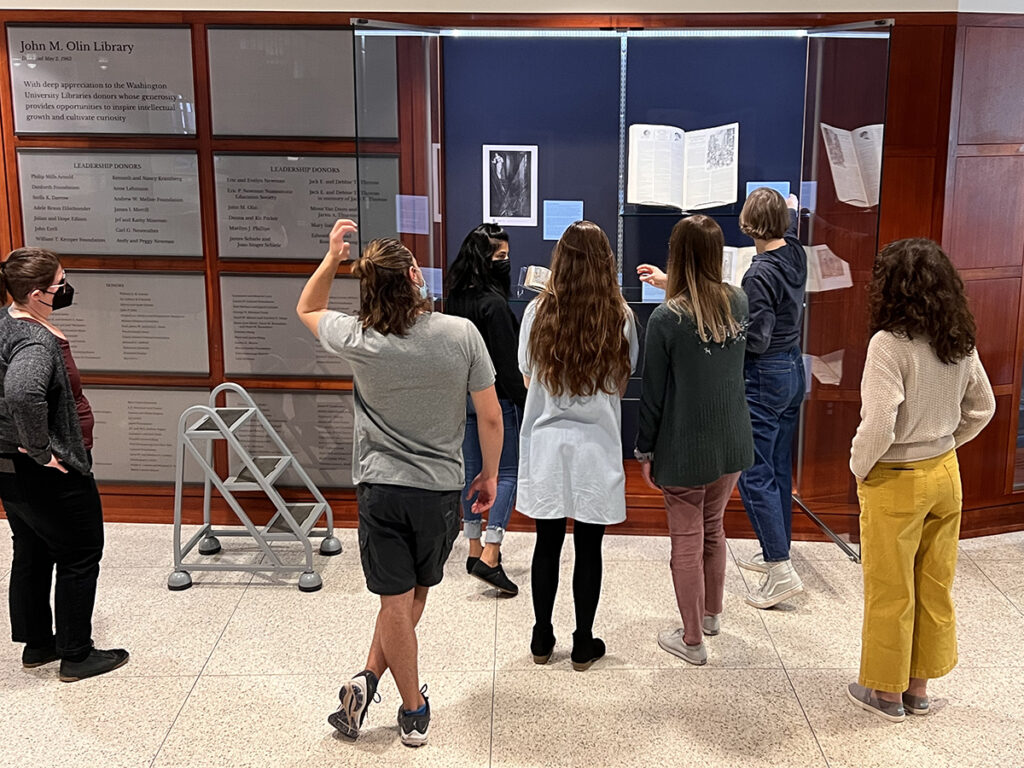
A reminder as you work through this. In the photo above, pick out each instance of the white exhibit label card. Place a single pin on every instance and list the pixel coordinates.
(262, 334)
(317, 428)
(138, 322)
(136, 433)
(284, 207)
(111, 203)
(135, 80)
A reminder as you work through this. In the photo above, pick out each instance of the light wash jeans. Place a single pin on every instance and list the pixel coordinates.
(508, 472)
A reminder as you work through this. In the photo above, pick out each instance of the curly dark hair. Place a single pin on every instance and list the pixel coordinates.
(915, 291)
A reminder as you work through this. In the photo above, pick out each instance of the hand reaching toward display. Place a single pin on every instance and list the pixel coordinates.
(650, 274)
(340, 249)
(793, 202)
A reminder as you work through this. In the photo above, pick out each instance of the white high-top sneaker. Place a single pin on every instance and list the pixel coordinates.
(780, 583)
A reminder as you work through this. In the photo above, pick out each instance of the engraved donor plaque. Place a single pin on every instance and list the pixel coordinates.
(138, 322)
(136, 433)
(282, 82)
(133, 80)
(317, 427)
(111, 203)
(262, 334)
(284, 207)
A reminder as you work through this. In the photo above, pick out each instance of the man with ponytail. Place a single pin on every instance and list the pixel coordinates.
(412, 369)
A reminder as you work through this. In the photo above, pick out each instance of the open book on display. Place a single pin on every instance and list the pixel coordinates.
(855, 158)
(687, 170)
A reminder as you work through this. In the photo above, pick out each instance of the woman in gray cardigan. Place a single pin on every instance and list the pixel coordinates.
(46, 482)
(695, 436)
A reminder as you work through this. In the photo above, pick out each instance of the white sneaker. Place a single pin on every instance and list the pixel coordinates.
(780, 583)
(755, 563)
(671, 640)
(712, 625)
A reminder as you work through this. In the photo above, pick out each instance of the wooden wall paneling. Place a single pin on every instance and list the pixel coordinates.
(986, 216)
(10, 152)
(908, 196)
(5, 228)
(414, 110)
(824, 477)
(992, 302)
(437, 162)
(983, 460)
(992, 106)
(208, 200)
(837, 320)
(851, 233)
(918, 99)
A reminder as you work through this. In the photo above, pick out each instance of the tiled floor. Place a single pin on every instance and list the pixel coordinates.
(242, 671)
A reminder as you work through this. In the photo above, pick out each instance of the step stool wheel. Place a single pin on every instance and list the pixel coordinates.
(330, 546)
(209, 546)
(310, 581)
(178, 581)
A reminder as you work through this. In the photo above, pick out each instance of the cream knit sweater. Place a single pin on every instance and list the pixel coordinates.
(914, 406)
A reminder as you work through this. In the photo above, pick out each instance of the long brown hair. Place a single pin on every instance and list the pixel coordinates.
(387, 302)
(26, 270)
(916, 291)
(695, 286)
(577, 342)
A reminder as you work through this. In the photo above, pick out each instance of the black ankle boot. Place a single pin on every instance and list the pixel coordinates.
(542, 644)
(586, 649)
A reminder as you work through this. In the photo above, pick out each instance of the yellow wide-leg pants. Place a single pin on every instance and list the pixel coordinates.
(910, 529)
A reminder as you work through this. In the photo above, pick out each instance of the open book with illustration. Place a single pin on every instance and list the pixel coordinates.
(855, 158)
(687, 170)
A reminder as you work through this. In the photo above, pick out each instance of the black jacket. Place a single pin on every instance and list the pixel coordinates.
(37, 407)
(774, 285)
(493, 317)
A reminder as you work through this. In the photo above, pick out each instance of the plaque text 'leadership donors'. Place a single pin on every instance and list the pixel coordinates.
(111, 203)
(101, 80)
(284, 207)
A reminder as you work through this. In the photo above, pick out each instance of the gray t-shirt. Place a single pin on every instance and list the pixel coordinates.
(410, 397)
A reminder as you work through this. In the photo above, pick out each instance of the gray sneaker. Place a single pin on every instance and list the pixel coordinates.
(671, 640)
(779, 584)
(712, 625)
(755, 563)
(866, 699)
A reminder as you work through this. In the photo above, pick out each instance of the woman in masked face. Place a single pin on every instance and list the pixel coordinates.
(46, 482)
(478, 288)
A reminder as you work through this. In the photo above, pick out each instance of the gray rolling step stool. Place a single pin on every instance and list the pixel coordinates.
(198, 428)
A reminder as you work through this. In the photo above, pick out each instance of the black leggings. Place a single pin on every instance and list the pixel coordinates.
(586, 574)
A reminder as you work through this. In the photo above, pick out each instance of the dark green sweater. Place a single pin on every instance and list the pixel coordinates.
(693, 409)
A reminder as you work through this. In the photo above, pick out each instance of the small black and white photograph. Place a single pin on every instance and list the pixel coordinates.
(510, 184)
(721, 149)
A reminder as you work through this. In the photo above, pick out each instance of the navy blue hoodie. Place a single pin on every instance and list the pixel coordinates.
(774, 285)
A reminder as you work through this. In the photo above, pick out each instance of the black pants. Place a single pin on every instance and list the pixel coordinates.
(56, 520)
(586, 573)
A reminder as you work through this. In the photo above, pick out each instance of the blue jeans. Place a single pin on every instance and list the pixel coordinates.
(508, 474)
(775, 390)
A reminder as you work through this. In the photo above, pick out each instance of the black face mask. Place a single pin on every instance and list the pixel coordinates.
(501, 272)
(63, 297)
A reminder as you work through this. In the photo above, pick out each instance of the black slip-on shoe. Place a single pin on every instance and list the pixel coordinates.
(37, 657)
(495, 577)
(96, 663)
